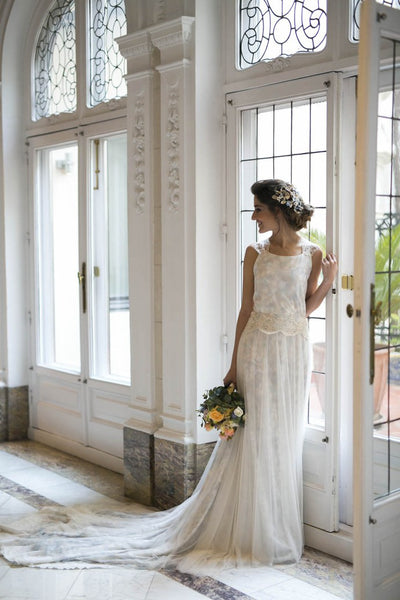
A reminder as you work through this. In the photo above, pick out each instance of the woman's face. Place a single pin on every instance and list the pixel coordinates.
(266, 220)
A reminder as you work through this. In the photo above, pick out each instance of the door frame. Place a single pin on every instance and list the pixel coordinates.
(103, 406)
(326, 480)
(376, 523)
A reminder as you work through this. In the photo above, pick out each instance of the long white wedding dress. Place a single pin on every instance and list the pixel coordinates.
(247, 507)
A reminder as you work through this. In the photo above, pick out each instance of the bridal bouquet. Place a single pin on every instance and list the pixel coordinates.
(222, 409)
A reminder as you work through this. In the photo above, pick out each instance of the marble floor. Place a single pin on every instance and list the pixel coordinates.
(33, 475)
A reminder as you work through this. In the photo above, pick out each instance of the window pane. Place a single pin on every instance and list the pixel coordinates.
(307, 170)
(109, 262)
(58, 258)
(269, 29)
(55, 64)
(107, 21)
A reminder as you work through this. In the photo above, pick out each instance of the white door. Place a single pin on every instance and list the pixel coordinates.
(79, 392)
(377, 309)
(289, 131)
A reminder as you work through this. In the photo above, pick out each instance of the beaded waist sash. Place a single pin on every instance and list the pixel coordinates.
(288, 324)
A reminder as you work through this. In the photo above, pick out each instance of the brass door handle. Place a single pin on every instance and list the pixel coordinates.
(82, 281)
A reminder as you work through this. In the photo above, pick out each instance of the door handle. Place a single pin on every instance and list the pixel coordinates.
(82, 281)
(375, 317)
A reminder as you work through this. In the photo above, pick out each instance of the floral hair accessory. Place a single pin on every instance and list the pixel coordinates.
(288, 195)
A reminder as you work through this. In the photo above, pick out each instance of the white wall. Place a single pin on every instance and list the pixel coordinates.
(15, 194)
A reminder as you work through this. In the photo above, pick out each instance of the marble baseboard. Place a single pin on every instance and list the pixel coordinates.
(159, 472)
(14, 413)
(139, 465)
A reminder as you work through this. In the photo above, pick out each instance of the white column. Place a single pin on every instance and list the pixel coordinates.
(174, 40)
(142, 188)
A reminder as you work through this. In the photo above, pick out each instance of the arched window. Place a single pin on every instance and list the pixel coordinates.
(55, 62)
(55, 81)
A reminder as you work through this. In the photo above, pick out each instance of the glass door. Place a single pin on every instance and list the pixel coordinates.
(377, 309)
(81, 371)
(281, 131)
(58, 258)
(109, 310)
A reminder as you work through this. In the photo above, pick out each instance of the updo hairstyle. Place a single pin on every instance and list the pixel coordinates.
(280, 195)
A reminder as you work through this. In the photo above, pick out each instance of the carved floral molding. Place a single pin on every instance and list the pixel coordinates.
(138, 152)
(172, 135)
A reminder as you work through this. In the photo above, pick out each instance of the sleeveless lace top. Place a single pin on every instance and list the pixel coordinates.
(280, 285)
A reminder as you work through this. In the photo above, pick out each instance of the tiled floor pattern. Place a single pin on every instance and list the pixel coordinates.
(33, 476)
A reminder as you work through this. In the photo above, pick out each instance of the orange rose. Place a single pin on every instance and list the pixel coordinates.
(208, 426)
(215, 415)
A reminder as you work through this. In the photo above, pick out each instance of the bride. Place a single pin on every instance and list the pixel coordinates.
(247, 507)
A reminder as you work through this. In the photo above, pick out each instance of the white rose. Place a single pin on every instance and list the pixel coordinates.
(238, 412)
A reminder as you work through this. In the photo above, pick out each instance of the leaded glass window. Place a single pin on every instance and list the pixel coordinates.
(55, 64)
(107, 65)
(272, 28)
(355, 6)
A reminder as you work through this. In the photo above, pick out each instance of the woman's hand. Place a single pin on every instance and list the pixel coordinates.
(230, 377)
(329, 268)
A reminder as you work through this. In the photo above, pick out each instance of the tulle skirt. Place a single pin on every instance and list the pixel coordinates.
(246, 509)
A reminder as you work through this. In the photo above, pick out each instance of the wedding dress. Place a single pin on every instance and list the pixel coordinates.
(247, 507)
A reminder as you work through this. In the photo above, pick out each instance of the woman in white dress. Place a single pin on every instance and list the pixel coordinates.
(247, 507)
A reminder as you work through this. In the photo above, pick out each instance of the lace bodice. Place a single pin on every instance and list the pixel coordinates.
(280, 285)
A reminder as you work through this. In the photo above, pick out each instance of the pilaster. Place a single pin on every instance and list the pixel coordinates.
(143, 189)
(175, 43)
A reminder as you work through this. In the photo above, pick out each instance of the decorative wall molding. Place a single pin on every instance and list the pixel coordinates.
(173, 33)
(138, 137)
(278, 64)
(159, 12)
(173, 39)
(136, 45)
(173, 146)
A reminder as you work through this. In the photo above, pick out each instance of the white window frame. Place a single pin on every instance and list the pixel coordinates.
(325, 482)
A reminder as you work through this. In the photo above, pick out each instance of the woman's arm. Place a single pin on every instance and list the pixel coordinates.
(316, 293)
(245, 309)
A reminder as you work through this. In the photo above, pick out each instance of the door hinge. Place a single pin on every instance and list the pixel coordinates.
(224, 229)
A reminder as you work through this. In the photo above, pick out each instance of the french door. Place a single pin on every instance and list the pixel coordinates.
(289, 131)
(80, 373)
(377, 309)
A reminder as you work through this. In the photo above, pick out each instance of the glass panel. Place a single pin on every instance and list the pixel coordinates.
(318, 124)
(316, 405)
(58, 258)
(109, 260)
(318, 180)
(301, 173)
(283, 127)
(387, 292)
(289, 129)
(107, 21)
(55, 64)
(265, 170)
(269, 29)
(248, 176)
(301, 127)
(265, 142)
